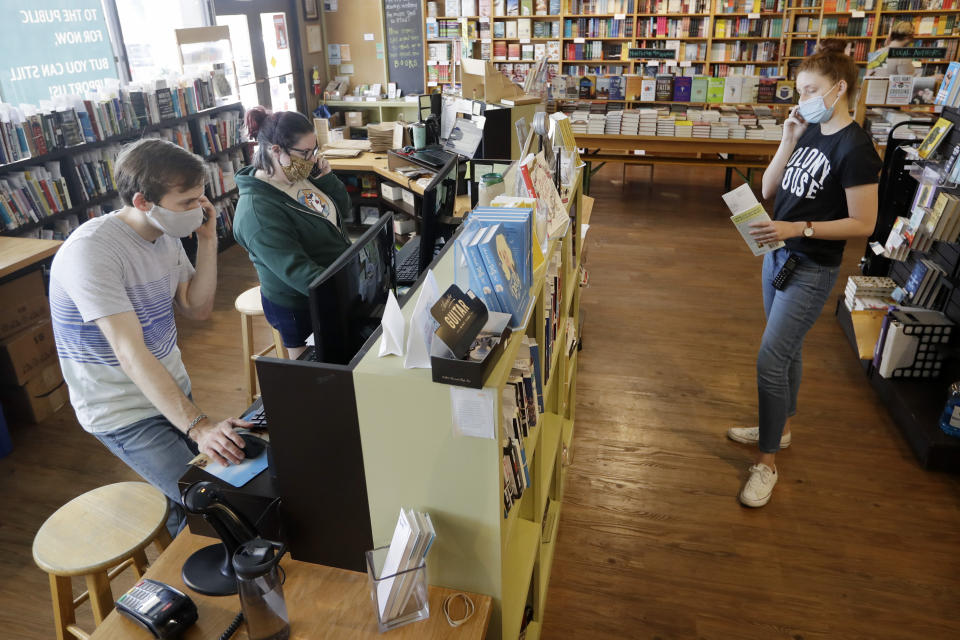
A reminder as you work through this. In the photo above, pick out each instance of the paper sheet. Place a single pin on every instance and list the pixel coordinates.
(391, 342)
(422, 325)
(474, 412)
(740, 199)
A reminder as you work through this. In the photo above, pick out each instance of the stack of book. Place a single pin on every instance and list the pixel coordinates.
(648, 122)
(596, 123)
(868, 292)
(720, 131)
(614, 123)
(630, 125)
(666, 126)
(923, 286)
(684, 129)
(497, 245)
(579, 120)
(701, 129)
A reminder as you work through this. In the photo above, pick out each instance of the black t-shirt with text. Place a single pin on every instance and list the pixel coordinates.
(813, 184)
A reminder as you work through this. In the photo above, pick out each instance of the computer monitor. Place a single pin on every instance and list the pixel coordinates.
(347, 300)
(438, 202)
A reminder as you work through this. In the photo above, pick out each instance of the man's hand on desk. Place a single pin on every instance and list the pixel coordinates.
(219, 441)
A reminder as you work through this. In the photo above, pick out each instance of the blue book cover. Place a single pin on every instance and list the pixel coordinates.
(950, 81)
(480, 282)
(502, 269)
(5, 216)
(85, 126)
(682, 87)
(916, 278)
(22, 139)
(617, 86)
(518, 225)
(537, 375)
(523, 461)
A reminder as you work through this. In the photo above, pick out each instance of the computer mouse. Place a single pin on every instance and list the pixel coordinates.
(254, 446)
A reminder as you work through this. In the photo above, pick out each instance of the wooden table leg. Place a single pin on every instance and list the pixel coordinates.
(140, 562)
(250, 381)
(163, 539)
(101, 597)
(61, 592)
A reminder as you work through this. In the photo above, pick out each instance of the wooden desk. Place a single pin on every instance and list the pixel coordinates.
(19, 253)
(323, 602)
(673, 150)
(377, 163)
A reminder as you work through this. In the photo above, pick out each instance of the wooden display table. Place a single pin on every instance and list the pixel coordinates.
(371, 162)
(323, 602)
(20, 253)
(753, 154)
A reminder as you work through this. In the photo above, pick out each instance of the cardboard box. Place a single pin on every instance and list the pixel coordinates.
(22, 302)
(408, 197)
(24, 355)
(469, 373)
(353, 118)
(43, 395)
(391, 191)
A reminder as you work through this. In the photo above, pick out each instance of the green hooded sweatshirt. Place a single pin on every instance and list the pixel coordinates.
(289, 244)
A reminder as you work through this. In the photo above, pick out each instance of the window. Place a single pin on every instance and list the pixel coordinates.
(148, 33)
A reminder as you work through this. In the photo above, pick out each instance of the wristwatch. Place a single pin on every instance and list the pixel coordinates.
(808, 230)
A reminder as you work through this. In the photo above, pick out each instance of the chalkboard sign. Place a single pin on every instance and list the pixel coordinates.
(918, 53)
(651, 54)
(404, 20)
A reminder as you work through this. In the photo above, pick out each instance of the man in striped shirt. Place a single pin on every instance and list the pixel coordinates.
(113, 287)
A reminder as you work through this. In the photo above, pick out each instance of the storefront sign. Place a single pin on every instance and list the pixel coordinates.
(52, 48)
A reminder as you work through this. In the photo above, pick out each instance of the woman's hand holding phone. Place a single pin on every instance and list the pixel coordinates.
(793, 126)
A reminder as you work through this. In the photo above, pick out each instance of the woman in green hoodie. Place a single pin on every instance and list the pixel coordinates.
(288, 218)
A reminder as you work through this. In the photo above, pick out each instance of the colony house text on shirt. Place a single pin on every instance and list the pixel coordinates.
(806, 171)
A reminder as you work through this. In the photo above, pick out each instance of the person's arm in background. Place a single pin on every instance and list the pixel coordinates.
(217, 440)
(195, 295)
(330, 184)
(793, 128)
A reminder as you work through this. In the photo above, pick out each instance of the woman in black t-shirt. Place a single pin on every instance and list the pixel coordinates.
(824, 176)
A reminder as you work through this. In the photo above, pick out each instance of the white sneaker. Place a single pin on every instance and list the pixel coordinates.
(759, 487)
(751, 435)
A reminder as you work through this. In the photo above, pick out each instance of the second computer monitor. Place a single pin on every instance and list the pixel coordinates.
(438, 203)
(347, 300)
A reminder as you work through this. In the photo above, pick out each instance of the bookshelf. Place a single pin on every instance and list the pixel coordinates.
(866, 24)
(711, 37)
(412, 457)
(86, 168)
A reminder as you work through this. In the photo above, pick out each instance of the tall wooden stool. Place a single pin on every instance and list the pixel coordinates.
(97, 535)
(249, 305)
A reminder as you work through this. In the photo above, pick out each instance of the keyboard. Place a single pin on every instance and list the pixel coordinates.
(409, 269)
(256, 415)
(435, 158)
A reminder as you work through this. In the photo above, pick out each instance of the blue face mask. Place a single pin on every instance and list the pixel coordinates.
(815, 110)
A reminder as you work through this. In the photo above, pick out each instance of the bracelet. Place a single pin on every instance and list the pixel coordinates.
(195, 422)
(468, 604)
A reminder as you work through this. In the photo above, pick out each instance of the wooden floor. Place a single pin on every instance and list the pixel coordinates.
(858, 541)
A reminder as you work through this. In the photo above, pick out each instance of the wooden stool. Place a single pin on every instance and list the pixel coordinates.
(249, 305)
(97, 535)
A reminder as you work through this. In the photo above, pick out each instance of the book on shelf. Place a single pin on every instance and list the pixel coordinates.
(682, 88)
(663, 89)
(786, 92)
(715, 89)
(934, 138)
(899, 89)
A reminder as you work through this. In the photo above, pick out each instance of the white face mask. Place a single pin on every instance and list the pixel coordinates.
(178, 224)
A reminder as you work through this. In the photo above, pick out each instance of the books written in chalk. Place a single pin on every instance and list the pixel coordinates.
(747, 210)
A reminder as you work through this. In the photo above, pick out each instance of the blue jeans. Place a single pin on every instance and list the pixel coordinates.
(790, 315)
(294, 325)
(159, 452)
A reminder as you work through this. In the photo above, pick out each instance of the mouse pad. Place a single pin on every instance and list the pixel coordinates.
(236, 475)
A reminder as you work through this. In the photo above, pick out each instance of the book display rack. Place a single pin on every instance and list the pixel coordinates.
(409, 442)
(59, 166)
(915, 211)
